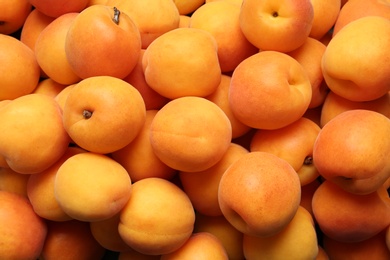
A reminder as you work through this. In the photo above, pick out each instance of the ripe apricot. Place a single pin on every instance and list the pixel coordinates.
(259, 194)
(202, 187)
(202, 244)
(100, 184)
(93, 53)
(221, 19)
(45, 140)
(158, 218)
(138, 157)
(175, 64)
(190, 134)
(276, 25)
(50, 53)
(352, 150)
(20, 70)
(269, 90)
(103, 114)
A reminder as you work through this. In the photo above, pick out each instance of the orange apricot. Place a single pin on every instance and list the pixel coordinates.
(259, 194)
(158, 218)
(20, 70)
(100, 184)
(103, 114)
(175, 64)
(190, 134)
(221, 19)
(269, 90)
(138, 157)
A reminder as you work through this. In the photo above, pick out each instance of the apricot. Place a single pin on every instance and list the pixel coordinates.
(309, 55)
(103, 114)
(190, 134)
(100, 184)
(186, 7)
(56, 8)
(93, 53)
(341, 214)
(12, 181)
(276, 25)
(175, 64)
(45, 140)
(35, 22)
(326, 13)
(158, 218)
(345, 71)
(297, 239)
(269, 90)
(13, 15)
(202, 187)
(49, 87)
(106, 233)
(259, 194)
(334, 105)
(293, 143)
(61, 97)
(22, 232)
(184, 21)
(230, 237)
(40, 190)
(221, 19)
(20, 70)
(353, 10)
(352, 150)
(50, 50)
(201, 245)
(70, 240)
(372, 248)
(138, 157)
(136, 78)
(221, 98)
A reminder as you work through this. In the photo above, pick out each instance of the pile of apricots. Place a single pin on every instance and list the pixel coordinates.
(195, 129)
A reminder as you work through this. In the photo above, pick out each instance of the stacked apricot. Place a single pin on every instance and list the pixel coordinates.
(219, 129)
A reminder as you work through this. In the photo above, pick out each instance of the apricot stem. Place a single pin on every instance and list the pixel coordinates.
(87, 114)
(308, 160)
(116, 15)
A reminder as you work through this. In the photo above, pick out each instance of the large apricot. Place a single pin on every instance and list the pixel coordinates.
(32, 134)
(259, 194)
(190, 134)
(269, 90)
(352, 150)
(177, 62)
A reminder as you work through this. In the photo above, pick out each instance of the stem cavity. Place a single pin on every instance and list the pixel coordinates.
(308, 160)
(87, 114)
